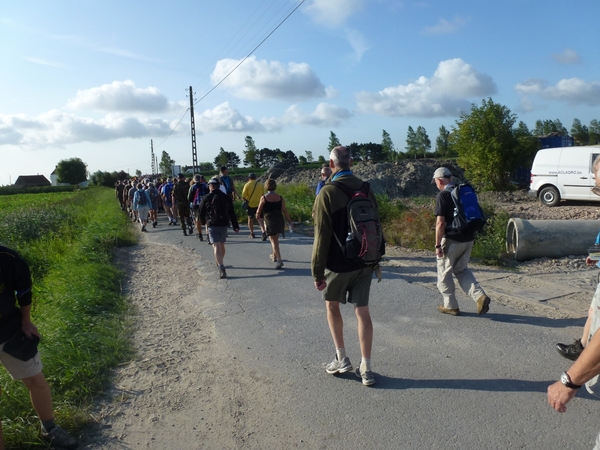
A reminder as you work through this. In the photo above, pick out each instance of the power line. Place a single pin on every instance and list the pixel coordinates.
(251, 52)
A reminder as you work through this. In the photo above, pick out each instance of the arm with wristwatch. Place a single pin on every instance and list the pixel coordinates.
(584, 369)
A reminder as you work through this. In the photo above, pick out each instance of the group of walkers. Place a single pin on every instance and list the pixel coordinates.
(202, 207)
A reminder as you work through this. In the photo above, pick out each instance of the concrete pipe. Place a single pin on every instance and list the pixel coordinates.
(529, 239)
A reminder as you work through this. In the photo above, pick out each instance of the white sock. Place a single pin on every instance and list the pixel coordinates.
(341, 353)
(365, 364)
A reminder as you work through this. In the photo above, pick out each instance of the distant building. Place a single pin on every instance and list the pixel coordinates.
(32, 180)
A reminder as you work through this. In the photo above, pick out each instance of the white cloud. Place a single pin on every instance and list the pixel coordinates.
(226, 118)
(567, 56)
(332, 13)
(447, 93)
(57, 129)
(44, 62)
(446, 27)
(120, 96)
(260, 79)
(574, 91)
(324, 115)
(358, 43)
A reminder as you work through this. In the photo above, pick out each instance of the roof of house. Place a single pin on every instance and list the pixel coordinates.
(32, 180)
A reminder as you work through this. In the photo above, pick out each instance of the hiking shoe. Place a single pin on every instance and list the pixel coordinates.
(252, 235)
(483, 305)
(264, 236)
(58, 437)
(171, 222)
(154, 224)
(451, 311)
(144, 228)
(571, 351)
(184, 232)
(222, 272)
(336, 366)
(279, 265)
(368, 379)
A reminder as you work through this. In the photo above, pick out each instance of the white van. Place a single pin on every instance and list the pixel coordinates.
(564, 173)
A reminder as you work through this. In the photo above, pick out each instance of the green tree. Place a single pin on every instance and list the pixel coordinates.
(166, 164)
(228, 159)
(250, 157)
(333, 142)
(389, 151)
(138, 173)
(580, 132)
(442, 143)
(487, 145)
(206, 167)
(309, 157)
(528, 146)
(302, 159)
(107, 179)
(423, 141)
(321, 159)
(594, 131)
(71, 171)
(412, 144)
(549, 127)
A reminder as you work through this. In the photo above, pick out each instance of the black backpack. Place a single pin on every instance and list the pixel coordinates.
(217, 210)
(364, 244)
(468, 215)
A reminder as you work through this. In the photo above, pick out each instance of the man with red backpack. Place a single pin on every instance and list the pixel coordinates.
(342, 278)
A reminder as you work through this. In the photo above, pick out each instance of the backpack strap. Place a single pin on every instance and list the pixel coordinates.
(364, 189)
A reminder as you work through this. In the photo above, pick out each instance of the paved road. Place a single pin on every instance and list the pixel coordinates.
(447, 382)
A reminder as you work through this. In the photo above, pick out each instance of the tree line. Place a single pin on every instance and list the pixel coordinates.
(487, 141)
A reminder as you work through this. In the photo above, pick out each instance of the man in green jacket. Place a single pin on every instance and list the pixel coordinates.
(337, 277)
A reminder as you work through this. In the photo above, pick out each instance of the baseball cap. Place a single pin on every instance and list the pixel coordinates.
(214, 181)
(252, 176)
(441, 172)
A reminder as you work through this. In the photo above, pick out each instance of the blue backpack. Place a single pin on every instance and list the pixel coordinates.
(468, 215)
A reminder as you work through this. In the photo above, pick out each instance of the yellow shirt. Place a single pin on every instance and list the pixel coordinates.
(258, 193)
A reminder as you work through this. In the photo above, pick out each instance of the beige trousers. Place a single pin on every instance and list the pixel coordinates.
(455, 261)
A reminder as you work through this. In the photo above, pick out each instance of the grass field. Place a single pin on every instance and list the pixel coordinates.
(67, 239)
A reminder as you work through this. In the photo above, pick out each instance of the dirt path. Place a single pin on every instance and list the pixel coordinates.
(182, 383)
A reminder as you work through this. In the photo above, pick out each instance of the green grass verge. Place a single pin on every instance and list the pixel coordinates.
(77, 306)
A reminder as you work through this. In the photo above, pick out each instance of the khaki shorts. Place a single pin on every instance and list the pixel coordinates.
(18, 369)
(353, 287)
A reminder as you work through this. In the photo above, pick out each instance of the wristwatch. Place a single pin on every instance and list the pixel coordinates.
(565, 379)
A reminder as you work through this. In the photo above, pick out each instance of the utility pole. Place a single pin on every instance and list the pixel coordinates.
(194, 151)
(152, 156)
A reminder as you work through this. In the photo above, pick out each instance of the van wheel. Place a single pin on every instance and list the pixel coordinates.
(549, 196)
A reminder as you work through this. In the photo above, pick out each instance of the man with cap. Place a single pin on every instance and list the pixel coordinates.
(252, 193)
(453, 251)
(216, 209)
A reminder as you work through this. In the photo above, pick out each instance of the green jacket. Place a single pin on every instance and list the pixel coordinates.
(331, 216)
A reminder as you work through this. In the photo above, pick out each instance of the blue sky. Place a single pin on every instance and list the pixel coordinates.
(99, 79)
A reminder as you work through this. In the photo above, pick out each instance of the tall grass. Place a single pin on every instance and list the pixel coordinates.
(77, 305)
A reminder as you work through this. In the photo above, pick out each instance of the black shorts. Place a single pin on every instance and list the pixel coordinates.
(252, 212)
